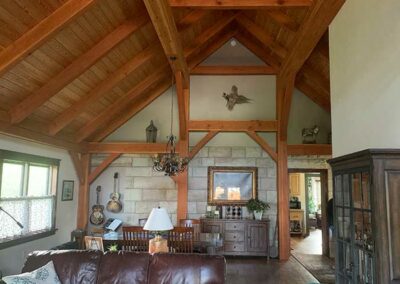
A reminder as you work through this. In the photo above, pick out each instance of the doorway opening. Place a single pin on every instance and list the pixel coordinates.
(309, 228)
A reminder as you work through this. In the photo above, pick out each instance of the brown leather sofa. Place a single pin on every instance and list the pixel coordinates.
(78, 266)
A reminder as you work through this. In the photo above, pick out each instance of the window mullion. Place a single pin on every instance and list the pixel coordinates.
(26, 180)
(1, 174)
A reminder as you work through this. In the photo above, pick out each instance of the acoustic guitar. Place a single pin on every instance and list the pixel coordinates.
(114, 205)
(97, 215)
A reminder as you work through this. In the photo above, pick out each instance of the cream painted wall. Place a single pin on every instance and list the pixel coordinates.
(365, 76)
(13, 258)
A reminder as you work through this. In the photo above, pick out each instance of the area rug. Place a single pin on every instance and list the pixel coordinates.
(320, 266)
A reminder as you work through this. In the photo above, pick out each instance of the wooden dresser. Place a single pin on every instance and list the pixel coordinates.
(241, 237)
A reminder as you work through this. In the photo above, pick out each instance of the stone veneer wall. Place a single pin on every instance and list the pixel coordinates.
(232, 156)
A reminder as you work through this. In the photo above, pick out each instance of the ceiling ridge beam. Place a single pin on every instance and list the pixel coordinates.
(263, 36)
(238, 4)
(163, 21)
(100, 90)
(38, 34)
(315, 24)
(28, 105)
(119, 104)
(233, 70)
(134, 108)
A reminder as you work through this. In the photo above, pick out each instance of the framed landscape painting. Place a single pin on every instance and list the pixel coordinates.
(231, 185)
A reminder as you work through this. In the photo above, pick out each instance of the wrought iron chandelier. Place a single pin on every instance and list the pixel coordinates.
(170, 162)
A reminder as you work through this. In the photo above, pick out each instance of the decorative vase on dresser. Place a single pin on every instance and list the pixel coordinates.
(367, 216)
(241, 237)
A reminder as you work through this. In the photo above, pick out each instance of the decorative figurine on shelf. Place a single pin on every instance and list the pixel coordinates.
(151, 133)
(234, 98)
(310, 135)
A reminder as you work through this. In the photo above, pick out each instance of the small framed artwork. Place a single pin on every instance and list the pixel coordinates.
(94, 243)
(231, 185)
(67, 190)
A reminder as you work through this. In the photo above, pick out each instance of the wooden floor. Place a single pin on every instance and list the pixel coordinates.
(259, 270)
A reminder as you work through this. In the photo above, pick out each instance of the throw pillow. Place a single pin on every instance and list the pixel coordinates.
(43, 275)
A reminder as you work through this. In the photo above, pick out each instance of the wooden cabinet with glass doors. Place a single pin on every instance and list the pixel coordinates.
(367, 223)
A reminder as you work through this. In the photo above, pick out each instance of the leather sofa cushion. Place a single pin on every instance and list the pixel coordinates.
(124, 267)
(72, 266)
(186, 269)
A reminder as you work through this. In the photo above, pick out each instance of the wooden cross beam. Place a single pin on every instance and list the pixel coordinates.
(238, 4)
(233, 125)
(233, 70)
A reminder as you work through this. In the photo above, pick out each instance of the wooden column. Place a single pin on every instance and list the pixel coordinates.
(83, 197)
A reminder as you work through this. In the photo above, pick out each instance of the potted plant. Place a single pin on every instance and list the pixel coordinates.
(257, 207)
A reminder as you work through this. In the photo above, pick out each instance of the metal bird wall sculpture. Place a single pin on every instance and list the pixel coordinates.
(234, 98)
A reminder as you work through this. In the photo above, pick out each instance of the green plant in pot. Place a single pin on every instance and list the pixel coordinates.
(257, 207)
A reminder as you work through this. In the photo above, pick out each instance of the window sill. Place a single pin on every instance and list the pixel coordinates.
(26, 238)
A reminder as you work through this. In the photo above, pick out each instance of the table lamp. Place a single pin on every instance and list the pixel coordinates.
(158, 221)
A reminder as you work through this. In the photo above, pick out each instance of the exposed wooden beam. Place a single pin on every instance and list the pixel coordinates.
(263, 144)
(315, 24)
(118, 105)
(233, 70)
(320, 98)
(209, 33)
(76, 161)
(104, 165)
(181, 94)
(132, 110)
(127, 148)
(100, 90)
(37, 35)
(283, 19)
(163, 21)
(262, 35)
(238, 4)
(83, 194)
(190, 19)
(210, 135)
(257, 48)
(309, 149)
(36, 136)
(233, 126)
(72, 71)
(285, 88)
(218, 41)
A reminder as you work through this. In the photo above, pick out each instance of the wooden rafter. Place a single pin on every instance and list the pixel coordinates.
(257, 48)
(104, 165)
(316, 96)
(163, 21)
(263, 144)
(135, 107)
(210, 135)
(262, 35)
(128, 148)
(233, 70)
(190, 19)
(238, 4)
(233, 125)
(115, 108)
(37, 35)
(320, 15)
(309, 149)
(100, 90)
(218, 41)
(283, 19)
(72, 71)
(181, 94)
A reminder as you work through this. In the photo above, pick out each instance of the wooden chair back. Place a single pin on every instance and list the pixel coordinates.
(180, 240)
(192, 223)
(135, 239)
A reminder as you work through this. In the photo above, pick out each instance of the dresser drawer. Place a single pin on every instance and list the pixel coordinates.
(234, 236)
(231, 226)
(234, 246)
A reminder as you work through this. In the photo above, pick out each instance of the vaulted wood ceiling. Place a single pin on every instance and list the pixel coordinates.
(74, 71)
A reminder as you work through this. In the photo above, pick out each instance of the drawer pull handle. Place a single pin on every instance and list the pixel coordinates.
(234, 237)
(234, 247)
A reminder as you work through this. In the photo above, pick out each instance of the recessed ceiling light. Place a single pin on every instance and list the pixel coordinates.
(233, 42)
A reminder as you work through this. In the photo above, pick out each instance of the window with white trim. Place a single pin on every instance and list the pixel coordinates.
(28, 186)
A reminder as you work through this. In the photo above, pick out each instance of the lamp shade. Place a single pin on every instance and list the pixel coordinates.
(158, 220)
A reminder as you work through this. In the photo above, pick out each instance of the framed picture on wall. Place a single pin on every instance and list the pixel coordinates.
(231, 185)
(67, 190)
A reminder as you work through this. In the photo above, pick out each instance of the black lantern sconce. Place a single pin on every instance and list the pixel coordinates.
(151, 133)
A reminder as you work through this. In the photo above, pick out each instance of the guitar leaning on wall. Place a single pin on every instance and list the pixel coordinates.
(114, 205)
(97, 216)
